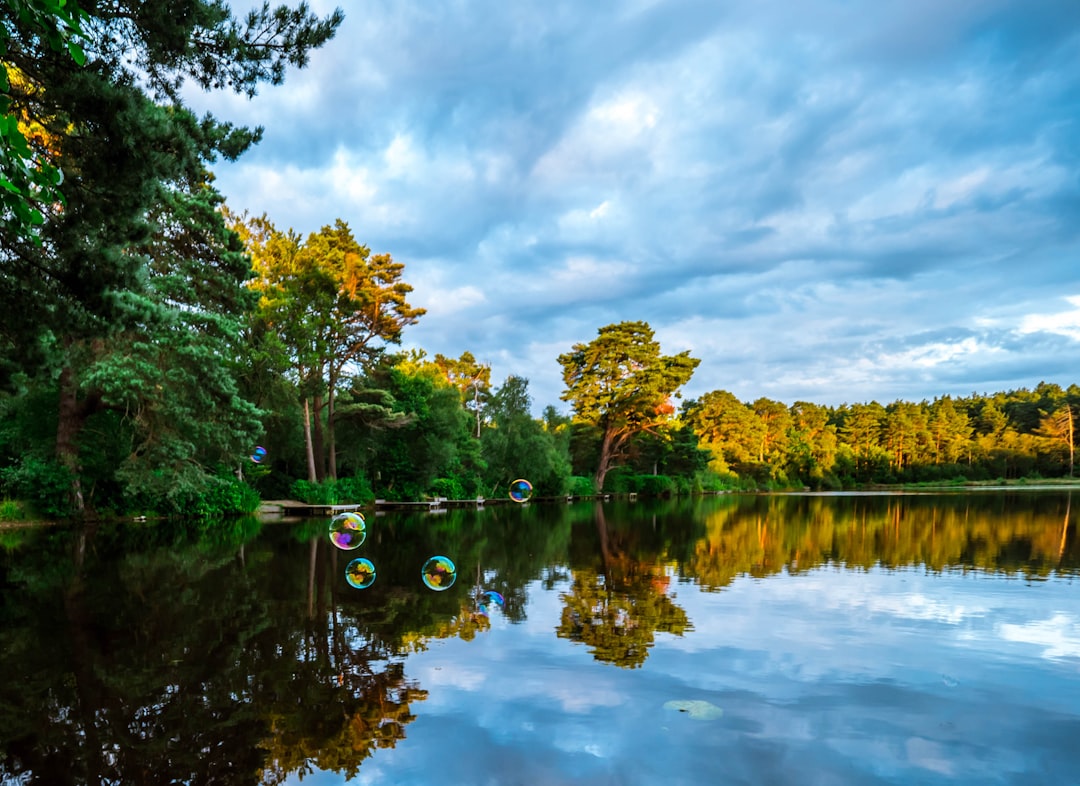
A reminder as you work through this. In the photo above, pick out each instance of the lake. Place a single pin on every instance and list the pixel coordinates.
(737, 639)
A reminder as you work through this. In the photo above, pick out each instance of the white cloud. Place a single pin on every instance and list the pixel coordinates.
(1058, 636)
(831, 216)
(1063, 323)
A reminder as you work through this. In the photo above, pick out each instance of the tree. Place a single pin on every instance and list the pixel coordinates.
(813, 441)
(28, 182)
(732, 431)
(518, 446)
(335, 307)
(620, 384)
(950, 433)
(472, 379)
(120, 132)
(776, 419)
(126, 143)
(1058, 427)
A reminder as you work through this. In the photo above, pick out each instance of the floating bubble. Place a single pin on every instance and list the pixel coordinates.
(439, 573)
(488, 600)
(348, 531)
(520, 490)
(258, 454)
(360, 573)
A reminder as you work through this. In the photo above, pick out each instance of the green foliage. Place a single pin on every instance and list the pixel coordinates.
(516, 445)
(448, 488)
(132, 301)
(44, 484)
(621, 385)
(13, 510)
(223, 496)
(28, 180)
(431, 438)
(581, 486)
(343, 491)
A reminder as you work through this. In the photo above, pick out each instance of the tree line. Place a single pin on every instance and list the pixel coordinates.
(153, 338)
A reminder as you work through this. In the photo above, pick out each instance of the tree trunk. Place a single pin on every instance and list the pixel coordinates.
(1072, 447)
(607, 459)
(71, 418)
(317, 442)
(307, 443)
(331, 447)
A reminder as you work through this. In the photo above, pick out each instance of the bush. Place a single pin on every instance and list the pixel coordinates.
(654, 485)
(448, 488)
(45, 485)
(224, 496)
(581, 486)
(352, 490)
(12, 510)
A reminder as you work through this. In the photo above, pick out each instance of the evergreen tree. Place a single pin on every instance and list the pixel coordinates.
(128, 148)
(620, 384)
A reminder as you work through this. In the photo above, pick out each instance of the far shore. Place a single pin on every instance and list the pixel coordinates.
(1011, 484)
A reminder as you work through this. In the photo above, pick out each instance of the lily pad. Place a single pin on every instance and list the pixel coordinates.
(695, 708)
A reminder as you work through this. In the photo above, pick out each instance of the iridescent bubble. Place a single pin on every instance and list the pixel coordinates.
(520, 490)
(348, 531)
(360, 573)
(258, 454)
(488, 600)
(439, 573)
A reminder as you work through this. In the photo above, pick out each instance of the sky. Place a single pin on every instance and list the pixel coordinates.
(822, 200)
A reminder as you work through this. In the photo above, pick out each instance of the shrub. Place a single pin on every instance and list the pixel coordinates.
(223, 496)
(581, 486)
(348, 490)
(449, 488)
(45, 485)
(12, 510)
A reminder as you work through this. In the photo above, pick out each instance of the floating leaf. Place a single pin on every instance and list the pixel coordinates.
(695, 708)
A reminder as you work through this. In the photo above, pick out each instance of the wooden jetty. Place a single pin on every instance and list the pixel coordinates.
(291, 507)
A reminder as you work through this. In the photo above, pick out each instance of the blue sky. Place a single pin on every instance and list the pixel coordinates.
(830, 200)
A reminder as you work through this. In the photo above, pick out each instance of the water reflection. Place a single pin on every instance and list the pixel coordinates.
(236, 653)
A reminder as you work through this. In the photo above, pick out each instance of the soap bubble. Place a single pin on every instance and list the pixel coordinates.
(488, 600)
(258, 454)
(520, 490)
(360, 573)
(439, 573)
(348, 531)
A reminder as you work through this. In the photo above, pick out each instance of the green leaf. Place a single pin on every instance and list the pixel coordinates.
(77, 53)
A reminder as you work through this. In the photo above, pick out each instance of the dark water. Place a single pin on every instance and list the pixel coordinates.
(888, 639)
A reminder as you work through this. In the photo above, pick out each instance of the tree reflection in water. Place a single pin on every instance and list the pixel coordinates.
(238, 653)
(617, 604)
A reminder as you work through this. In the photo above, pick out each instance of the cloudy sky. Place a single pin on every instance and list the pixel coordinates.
(825, 200)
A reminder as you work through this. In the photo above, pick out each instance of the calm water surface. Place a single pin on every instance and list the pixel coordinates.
(802, 639)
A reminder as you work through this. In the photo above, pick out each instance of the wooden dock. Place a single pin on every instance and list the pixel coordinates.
(293, 509)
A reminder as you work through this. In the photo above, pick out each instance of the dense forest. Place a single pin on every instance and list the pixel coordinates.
(161, 354)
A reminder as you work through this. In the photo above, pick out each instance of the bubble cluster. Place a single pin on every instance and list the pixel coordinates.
(521, 490)
(439, 573)
(360, 573)
(348, 531)
(258, 454)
